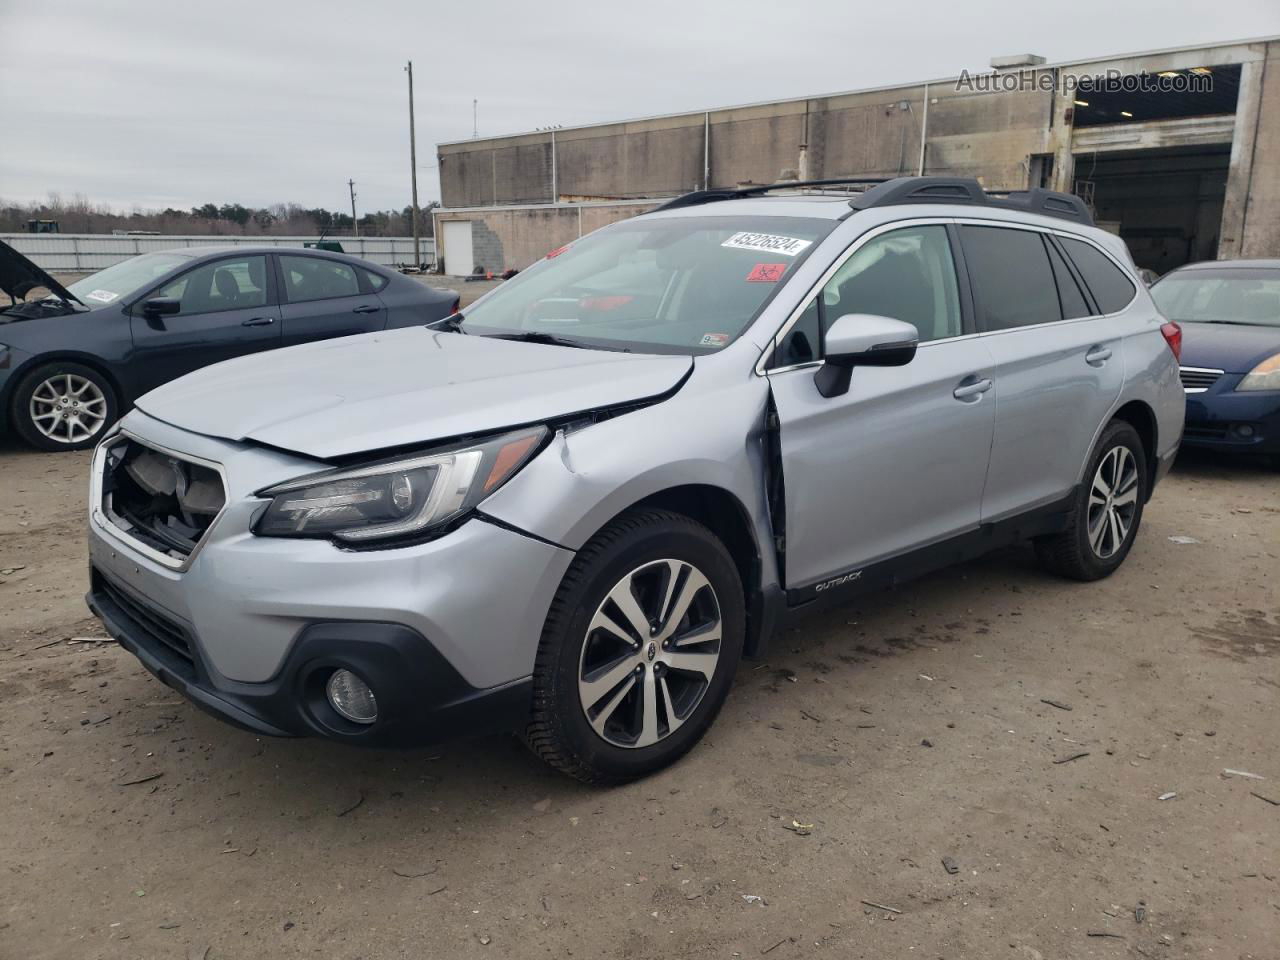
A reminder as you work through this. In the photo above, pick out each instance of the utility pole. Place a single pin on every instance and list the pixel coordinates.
(355, 224)
(413, 166)
(475, 113)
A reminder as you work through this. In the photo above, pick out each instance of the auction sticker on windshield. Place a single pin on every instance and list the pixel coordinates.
(102, 296)
(787, 246)
(766, 273)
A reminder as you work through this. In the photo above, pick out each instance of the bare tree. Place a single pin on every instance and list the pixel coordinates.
(80, 215)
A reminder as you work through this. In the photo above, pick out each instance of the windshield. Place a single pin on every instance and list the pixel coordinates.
(109, 285)
(1246, 295)
(678, 285)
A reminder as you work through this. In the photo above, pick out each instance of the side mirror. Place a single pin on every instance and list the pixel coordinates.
(863, 340)
(162, 306)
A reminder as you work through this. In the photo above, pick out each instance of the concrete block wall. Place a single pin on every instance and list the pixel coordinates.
(873, 134)
(992, 136)
(518, 236)
(641, 159)
(488, 250)
(1261, 233)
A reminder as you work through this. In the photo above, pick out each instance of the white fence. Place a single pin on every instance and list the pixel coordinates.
(85, 252)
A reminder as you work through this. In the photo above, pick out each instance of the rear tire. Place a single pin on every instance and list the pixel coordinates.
(1107, 510)
(639, 649)
(63, 406)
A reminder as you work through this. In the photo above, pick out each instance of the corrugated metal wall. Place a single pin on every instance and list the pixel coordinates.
(85, 253)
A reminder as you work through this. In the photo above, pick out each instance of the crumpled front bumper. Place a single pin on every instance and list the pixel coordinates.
(445, 632)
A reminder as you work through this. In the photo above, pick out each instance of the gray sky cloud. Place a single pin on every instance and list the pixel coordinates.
(155, 104)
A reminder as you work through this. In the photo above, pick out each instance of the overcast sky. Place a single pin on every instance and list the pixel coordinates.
(174, 103)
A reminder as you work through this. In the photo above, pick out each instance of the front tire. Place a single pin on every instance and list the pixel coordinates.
(63, 406)
(639, 649)
(1107, 511)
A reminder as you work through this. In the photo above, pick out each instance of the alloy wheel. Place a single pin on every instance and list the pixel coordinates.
(68, 408)
(1113, 502)
(650, 653)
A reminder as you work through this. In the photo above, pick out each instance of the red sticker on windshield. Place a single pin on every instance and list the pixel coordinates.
(766, 273)
(557, 251)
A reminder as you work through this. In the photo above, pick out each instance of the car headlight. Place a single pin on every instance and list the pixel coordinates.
(1265, 376)
(396, 498)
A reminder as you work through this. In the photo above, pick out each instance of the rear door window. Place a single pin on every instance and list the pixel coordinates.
(1012, 278)
(1110, 287)
(376, 280)
(315, 278)
(1073, 302)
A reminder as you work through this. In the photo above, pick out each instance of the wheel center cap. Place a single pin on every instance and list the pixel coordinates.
(651, 652)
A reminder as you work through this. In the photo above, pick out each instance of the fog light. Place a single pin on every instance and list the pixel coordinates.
(351, 697)
(1243, 430)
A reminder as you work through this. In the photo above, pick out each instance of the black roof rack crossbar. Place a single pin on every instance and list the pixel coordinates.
(884, 192)
(966, 190)
(736, 193)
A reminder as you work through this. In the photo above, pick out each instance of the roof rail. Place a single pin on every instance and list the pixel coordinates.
(698, 197)
(967, 190)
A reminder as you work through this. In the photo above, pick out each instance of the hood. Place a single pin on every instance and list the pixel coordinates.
(402, 387)
(1233, 347)
(19, 276)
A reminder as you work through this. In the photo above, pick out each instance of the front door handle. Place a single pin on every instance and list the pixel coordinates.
(1097, 356)
(366, 308)
(971, 390)
(258, 322)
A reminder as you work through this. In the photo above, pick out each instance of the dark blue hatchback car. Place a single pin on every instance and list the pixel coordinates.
(73, 359)
(1229, 311)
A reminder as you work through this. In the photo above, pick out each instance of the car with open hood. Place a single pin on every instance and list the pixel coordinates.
(1229, 311)
(571, 510)
(73, 358)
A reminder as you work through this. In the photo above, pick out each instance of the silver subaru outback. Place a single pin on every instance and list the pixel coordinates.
(570, 511)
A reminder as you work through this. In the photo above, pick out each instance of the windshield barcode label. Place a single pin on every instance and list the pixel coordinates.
(787, 246)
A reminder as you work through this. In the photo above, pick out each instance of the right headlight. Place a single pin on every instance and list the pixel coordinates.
(399, 498)
(1265, 376)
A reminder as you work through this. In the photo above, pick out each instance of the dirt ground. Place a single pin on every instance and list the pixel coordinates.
(907, 729)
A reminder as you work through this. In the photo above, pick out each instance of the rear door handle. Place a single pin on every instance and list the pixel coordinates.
(258, 322)
(1097, 356)
(366, 308)
(971, 390)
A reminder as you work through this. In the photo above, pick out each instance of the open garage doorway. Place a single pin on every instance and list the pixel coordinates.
(1165, 203)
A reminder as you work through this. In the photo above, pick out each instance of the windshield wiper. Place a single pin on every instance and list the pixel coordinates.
(537, 336)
